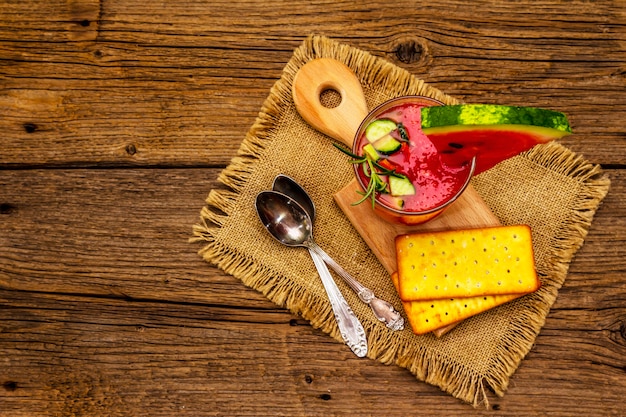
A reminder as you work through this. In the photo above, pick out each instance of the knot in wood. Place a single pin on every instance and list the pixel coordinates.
(408, 51)
(30, 127)
(10, 385)
(131, 149)
(7, 208)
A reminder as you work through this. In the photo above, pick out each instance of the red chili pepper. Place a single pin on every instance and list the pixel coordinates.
(386, 163)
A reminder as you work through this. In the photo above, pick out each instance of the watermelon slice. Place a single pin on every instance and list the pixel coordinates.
(492, 133)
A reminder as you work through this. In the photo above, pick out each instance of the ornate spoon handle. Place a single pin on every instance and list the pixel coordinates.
(382, 309)
(349, 325)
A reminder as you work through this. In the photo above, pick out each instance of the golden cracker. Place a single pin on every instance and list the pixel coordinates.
(466, 263)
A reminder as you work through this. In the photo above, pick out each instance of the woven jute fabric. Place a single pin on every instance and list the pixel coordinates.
(549, 188)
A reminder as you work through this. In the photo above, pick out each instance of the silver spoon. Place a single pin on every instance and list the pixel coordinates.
(383, 310)
(289, 223)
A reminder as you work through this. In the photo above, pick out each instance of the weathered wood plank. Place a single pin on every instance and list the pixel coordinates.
(108, 232)
(178, 82)
(92, 356)
(124, 233)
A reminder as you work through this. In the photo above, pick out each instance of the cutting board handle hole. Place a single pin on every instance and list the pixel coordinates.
(330, 98)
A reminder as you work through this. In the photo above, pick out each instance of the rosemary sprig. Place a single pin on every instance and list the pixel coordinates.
(372, 170)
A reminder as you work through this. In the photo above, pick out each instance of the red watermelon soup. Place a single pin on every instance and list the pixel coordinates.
(418, 179)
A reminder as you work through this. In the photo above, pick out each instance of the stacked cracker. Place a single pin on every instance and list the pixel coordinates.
(446, 277)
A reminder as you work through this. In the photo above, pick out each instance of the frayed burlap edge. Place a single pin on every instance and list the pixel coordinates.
(455, 379)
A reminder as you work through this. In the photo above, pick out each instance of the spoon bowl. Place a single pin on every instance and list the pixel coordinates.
(288, 186)
(286, 221)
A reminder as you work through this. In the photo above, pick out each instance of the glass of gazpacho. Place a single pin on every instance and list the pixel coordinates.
(409, 181)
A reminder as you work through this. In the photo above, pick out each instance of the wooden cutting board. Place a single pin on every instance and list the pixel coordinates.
(341, 123)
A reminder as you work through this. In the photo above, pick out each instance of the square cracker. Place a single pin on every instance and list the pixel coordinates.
(466, 263)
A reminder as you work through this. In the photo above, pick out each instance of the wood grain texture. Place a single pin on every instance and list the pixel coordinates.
(191, 76)
(118, 116)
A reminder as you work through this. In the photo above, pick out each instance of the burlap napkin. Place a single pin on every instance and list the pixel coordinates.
(548, 188)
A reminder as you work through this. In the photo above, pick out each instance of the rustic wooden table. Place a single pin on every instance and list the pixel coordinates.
(117, 117)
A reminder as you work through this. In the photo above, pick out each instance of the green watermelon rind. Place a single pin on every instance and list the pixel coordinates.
(466, 115)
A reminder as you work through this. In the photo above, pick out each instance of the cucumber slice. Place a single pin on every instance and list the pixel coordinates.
(379, 128)
(387, 145)
(399, 186)
(371, 152)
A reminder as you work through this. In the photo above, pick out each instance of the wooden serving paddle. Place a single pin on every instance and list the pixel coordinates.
(341, 123)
